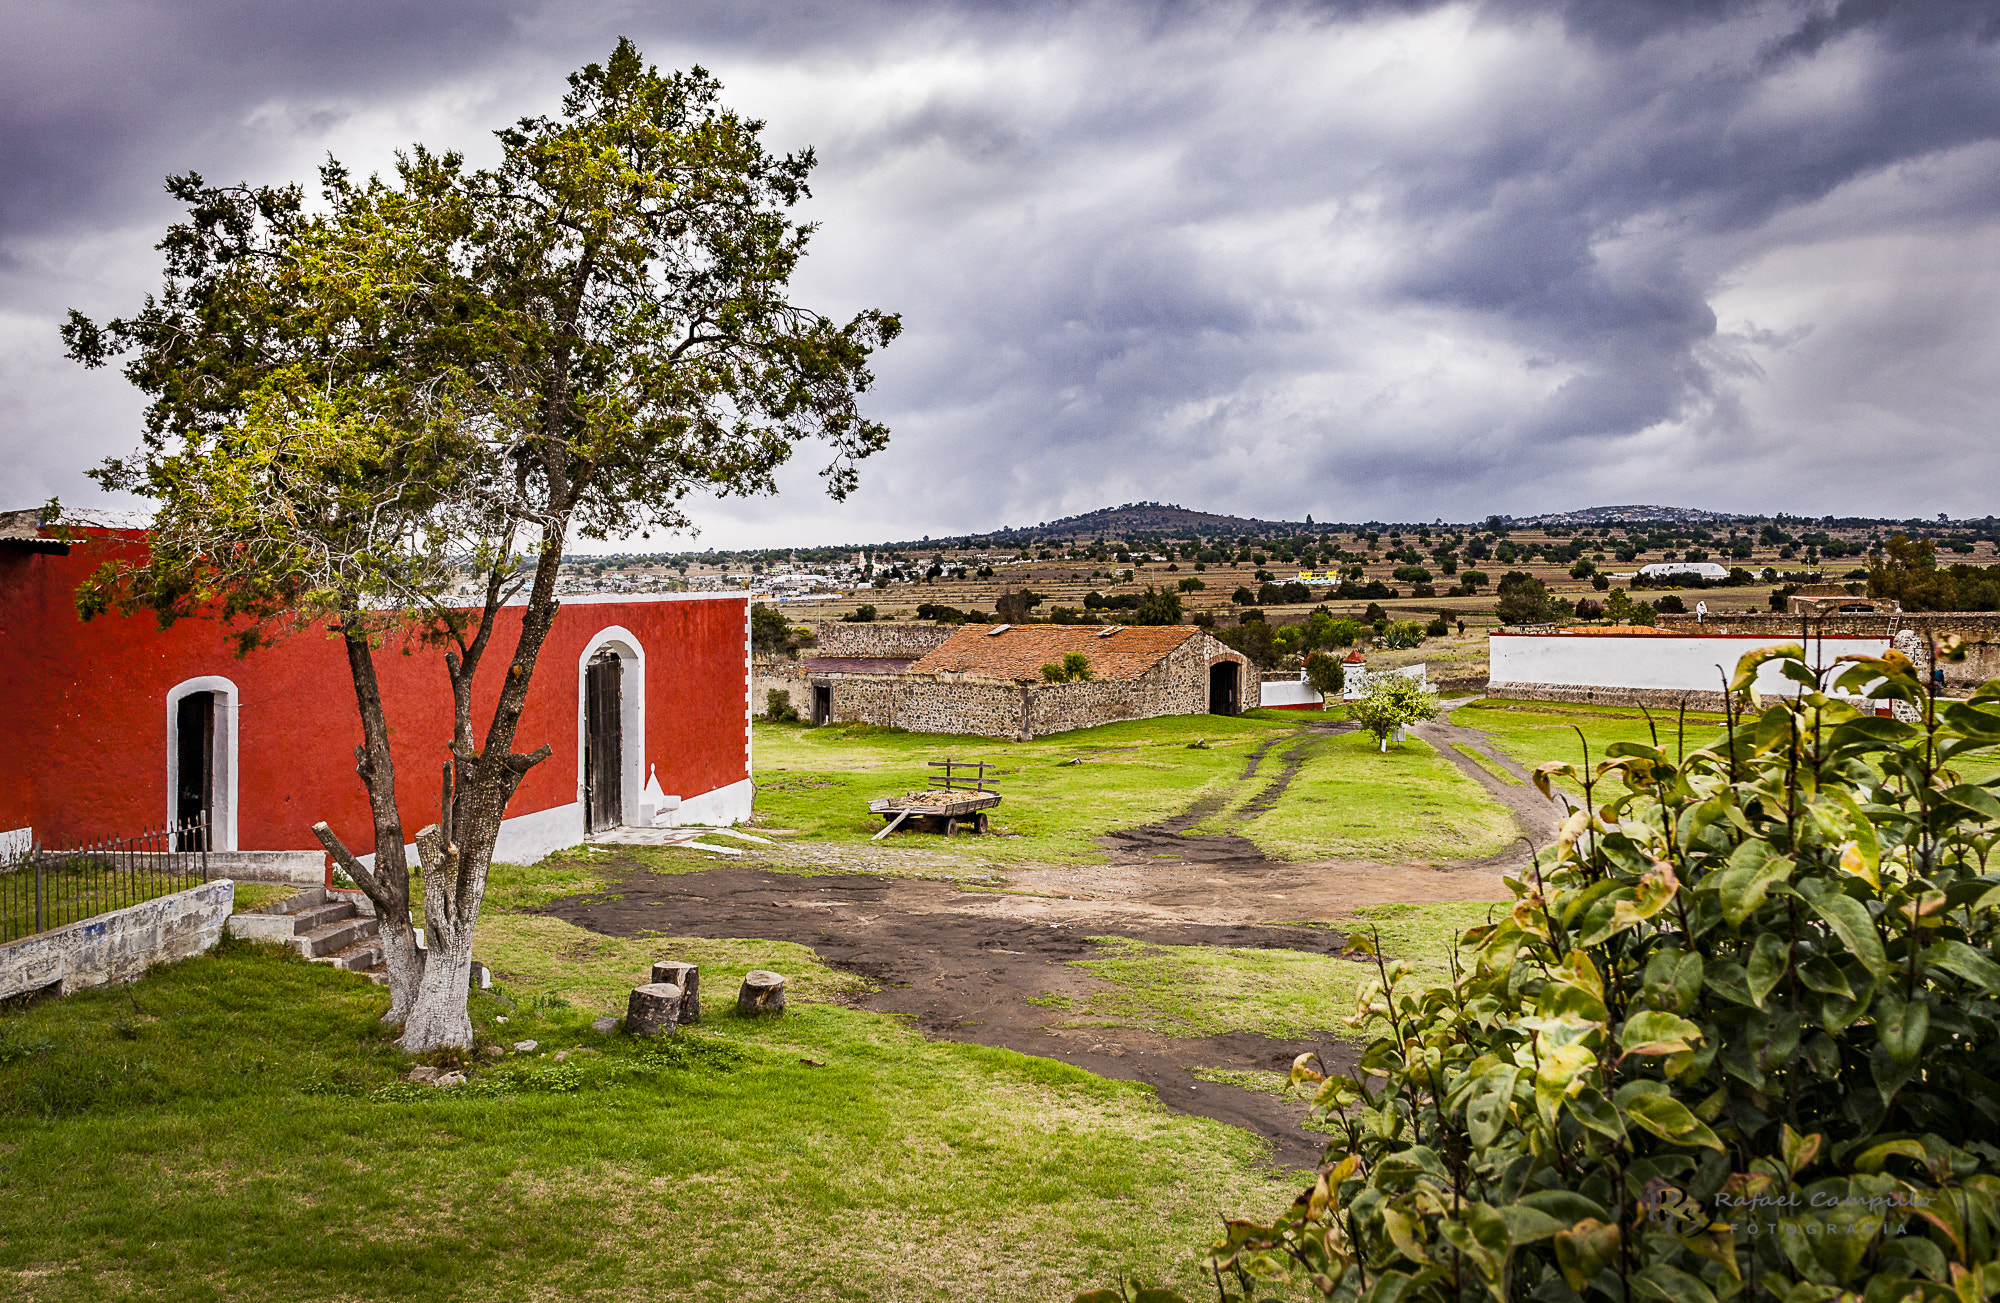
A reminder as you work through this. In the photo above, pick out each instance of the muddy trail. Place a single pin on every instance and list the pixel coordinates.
(959, 970)
(963, 963)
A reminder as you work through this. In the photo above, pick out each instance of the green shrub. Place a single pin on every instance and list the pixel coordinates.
(1738, 1036)
(1403, 633)
(778, 706)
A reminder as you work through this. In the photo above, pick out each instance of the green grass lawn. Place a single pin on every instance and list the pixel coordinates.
(1536, 731)
(234, 1127)
(1352, 802)
(820, 780)
(1348, 802)
(1204, 990)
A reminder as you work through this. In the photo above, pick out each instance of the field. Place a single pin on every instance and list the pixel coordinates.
(236, 1126)
(1061, 794)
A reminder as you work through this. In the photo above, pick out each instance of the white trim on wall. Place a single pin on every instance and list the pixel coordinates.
(631, 710)
(721, 807)
(222, 782)
(16, 842)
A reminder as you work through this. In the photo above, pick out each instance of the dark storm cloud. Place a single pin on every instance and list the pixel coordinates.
(1348, 258)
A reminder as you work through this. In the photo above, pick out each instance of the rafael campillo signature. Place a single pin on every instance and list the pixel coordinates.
(1796, 1213)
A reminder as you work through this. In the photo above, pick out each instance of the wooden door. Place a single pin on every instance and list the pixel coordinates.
(194, 765)
(604, 743)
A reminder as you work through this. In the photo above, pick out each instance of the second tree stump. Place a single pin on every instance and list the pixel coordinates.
(763, 992)
(653, 1010)
(688, 978)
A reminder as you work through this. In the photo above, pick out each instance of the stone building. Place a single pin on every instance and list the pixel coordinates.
(987, 679)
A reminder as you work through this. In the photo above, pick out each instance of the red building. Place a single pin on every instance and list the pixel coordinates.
(117, 725)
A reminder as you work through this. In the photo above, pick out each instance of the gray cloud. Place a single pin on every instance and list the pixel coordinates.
(1360, 259)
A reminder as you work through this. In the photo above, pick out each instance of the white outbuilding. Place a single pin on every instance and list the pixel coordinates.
(1668, 571)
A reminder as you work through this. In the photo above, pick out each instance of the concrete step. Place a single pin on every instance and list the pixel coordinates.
(310, 898)
(319, 916)
(357, 958)
(322, 941)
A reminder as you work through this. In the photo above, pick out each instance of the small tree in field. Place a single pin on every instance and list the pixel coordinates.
(1393, 701)
(1326, 674)
(453, 370)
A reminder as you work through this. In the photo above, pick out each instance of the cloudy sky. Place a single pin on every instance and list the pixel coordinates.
(1396, 259)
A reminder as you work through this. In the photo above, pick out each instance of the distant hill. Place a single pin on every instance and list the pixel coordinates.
(1629, 515)
(1131, 521)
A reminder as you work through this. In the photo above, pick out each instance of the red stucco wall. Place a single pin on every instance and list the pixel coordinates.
(83, 717)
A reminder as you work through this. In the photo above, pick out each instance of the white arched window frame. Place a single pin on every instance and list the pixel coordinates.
(631, 713)
(222, 777)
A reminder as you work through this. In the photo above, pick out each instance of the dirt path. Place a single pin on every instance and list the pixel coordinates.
(960, 965)
(962, 962)
(1538, 817)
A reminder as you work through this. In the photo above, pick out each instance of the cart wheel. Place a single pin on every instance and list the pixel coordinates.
(951, 827)
(980, 823)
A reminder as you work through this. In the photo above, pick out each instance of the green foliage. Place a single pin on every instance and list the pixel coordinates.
(1439, 626)
(1253, 637)
(1326, 673)
(1075, 668)
(1162, 607)
(770, 632)
(778, 707)
(1013, 607)
(1392, 701)
(1619, 608)
(1740, 1032)
(862, 614)
(1403, 634)
(1908, 571)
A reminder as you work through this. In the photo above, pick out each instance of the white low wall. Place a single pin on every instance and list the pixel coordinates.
(1661, 663)
(119, 946)
(1291, 694)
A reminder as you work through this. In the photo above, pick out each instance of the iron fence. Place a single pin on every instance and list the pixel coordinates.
(46, 887)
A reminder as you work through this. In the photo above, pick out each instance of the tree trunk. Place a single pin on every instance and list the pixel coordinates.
(387, 885)
(438, 1019)
(763, 992)
(456, 853)
(653, 1010)
(688, 978)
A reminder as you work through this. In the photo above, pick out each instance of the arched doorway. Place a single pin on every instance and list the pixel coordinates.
(604, 741)
(1225, 688)
(201, 764)
(610, 728)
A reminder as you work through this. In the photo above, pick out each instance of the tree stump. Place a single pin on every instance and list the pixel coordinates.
(763, 992)
(654, 1009)
(688, 978)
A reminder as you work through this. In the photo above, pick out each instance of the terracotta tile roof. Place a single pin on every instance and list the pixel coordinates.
(1021, 650)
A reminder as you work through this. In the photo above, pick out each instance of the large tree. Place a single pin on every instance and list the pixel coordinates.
(425, 385)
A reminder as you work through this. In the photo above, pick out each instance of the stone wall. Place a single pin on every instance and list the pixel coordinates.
(1177, 685)
(118, 947)
(1656, 699)
(878, 638)
(781, 673)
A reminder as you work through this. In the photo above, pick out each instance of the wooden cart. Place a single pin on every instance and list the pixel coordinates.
(959, 797)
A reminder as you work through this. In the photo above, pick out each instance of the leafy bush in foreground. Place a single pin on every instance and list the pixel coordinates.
(1737, 1037)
